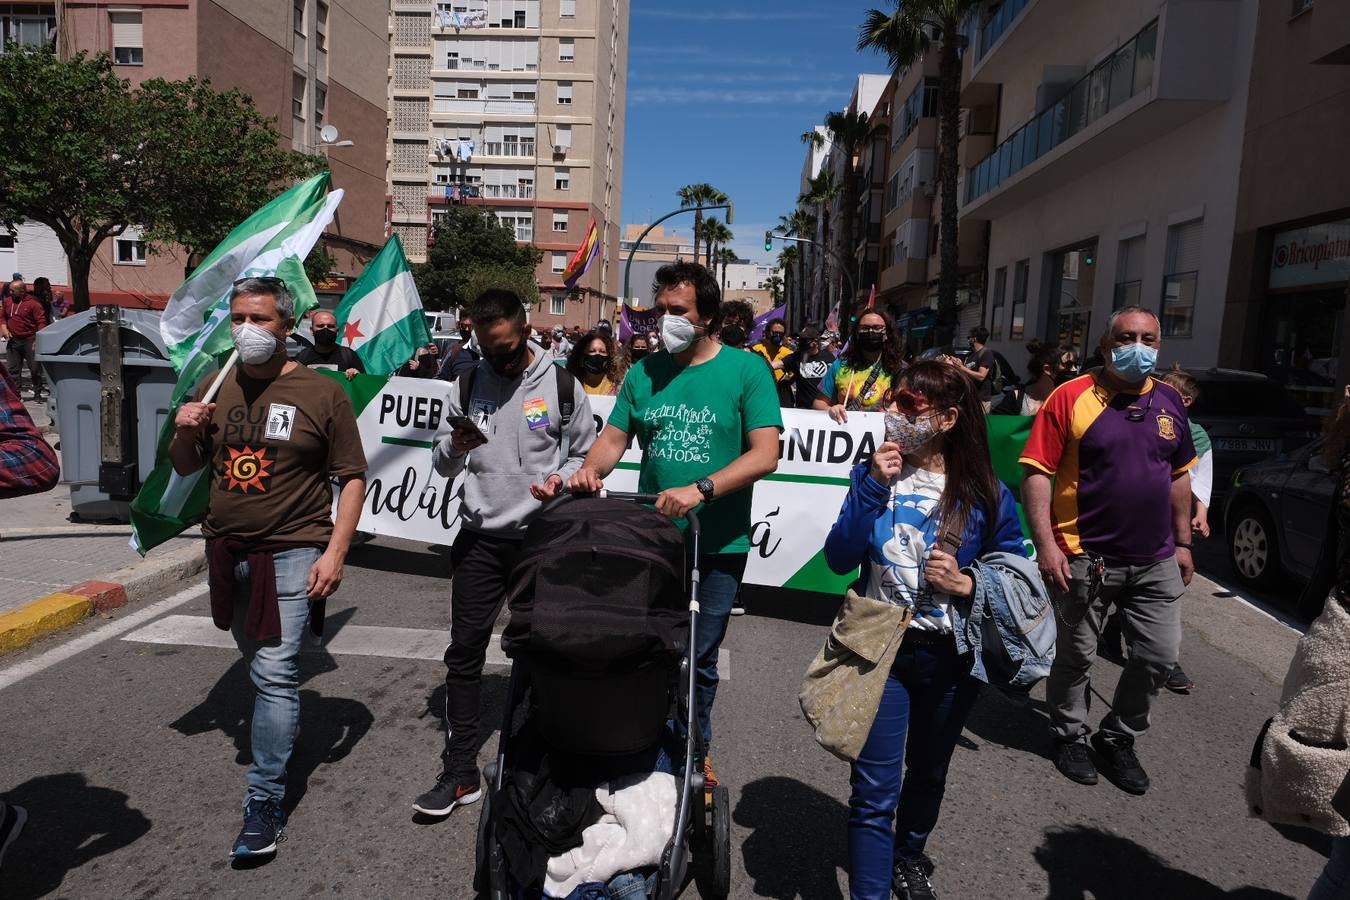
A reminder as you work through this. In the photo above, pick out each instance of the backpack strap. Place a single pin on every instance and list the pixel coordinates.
(949, 538)
(566, 383)
(466, 390)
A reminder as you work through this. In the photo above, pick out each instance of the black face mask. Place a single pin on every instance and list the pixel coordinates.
(595, 363)
(325, 338)
(775, 338)
(733, 335)
(637, 353)
(508, 363)
(871, 342)
(465, 334)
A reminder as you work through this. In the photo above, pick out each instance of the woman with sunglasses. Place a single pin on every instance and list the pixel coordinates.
(932, 474)
(860, 378)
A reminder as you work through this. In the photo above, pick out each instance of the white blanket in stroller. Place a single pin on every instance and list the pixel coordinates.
(638, 820)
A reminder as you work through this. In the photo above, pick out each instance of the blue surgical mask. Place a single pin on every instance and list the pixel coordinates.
(1134, 362)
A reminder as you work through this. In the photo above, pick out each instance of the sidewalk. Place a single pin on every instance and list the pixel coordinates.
(57, 572)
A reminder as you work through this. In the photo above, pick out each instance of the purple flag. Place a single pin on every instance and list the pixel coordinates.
(640, 321)
(762, 322)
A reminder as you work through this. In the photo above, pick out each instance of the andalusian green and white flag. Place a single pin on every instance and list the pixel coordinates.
(381, 317)
(195, 326)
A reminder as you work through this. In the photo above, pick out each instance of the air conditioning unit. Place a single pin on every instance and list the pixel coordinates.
(560, 149)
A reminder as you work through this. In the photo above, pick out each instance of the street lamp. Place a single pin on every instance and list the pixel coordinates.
(770, 237)
(729, 206)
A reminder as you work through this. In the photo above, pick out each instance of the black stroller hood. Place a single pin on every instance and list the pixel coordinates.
(599, 587)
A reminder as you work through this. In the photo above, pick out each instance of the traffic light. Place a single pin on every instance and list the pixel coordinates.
(768, 241)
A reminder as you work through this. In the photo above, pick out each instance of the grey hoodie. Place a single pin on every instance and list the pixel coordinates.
(496, 492)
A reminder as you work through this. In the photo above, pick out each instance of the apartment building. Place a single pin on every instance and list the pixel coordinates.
(516, 106)
(1103, 156)
(659, 244)
(306, 63)
(1286, 311)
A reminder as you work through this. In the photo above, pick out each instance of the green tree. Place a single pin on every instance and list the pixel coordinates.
(697, 195)
(800, 224)
(774, 284)
(852, 135)
(471, 251)
(726, 257)
(91, 157)
(320, 264)
(905, 36)
(822, 191)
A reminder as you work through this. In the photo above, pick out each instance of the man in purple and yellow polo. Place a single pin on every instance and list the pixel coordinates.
(1114, 527)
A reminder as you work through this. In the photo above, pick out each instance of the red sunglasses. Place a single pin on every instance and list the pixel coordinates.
(910, 403)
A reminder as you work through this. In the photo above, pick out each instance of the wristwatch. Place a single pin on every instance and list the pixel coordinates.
(705, 487)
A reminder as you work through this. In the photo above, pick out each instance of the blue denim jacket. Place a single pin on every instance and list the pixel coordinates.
(854, 537)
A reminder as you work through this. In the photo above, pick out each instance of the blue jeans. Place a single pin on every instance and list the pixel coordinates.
(924, 706)
(274, 667)
(1334, 882)
(720, 580)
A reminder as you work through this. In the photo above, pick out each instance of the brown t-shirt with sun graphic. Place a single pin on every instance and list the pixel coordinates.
(273, 447)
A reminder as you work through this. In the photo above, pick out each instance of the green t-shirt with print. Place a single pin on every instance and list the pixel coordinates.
(692, 421)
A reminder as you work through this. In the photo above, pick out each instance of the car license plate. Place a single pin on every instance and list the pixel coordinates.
(1247, 445)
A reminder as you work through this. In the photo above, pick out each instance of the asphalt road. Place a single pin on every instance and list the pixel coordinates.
(126, 739)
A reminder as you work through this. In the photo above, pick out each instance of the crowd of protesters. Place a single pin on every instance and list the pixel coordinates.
(1116, 484)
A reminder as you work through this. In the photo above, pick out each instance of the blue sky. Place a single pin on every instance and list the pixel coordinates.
(722, 91)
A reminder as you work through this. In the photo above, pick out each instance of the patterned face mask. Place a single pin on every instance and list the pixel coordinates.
(911, 434)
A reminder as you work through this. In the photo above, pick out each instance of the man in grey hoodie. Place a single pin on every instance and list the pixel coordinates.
(533, 429)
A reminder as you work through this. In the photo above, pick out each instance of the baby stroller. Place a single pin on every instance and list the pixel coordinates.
(601, 637)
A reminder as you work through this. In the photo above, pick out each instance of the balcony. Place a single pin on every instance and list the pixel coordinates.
(1175, 69)
(517, 149)
(477, 107)
(1003, 19)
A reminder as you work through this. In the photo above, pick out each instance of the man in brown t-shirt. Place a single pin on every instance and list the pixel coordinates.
(275, 438)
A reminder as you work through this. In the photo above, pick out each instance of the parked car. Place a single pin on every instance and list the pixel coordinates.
(1250, 418)
(1277, 515)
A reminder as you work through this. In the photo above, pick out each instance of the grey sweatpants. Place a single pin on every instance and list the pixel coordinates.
(1148, 598)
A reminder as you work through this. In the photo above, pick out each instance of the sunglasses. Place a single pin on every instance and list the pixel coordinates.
(265, 279)
(910, 404)
(1135, 414)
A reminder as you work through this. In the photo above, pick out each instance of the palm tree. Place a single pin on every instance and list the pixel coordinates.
(715, 234)
(822, 191)
(905, 36)
(697, 195)
(725, 257)
(853, 134)
(774, 284)
(800, 224)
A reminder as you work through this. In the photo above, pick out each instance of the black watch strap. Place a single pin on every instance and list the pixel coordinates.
(705, 487)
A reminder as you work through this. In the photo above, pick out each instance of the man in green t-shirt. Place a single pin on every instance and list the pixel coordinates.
(707, 419)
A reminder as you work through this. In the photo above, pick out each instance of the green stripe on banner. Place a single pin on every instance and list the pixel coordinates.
(808, 479)
(406, 442)
(360, 390)
(817, 576)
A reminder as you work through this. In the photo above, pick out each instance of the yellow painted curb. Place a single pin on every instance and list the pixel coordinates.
(21, 627)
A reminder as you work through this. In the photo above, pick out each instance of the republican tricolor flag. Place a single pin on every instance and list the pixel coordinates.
(581, 260)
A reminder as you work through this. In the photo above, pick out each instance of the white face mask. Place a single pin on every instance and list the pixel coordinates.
(256, 345)
(677, 333)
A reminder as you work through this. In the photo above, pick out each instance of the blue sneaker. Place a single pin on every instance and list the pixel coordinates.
(264, 828)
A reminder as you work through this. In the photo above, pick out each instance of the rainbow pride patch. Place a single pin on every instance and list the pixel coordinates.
(536, 413)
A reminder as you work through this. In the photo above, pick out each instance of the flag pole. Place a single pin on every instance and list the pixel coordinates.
(220, 377)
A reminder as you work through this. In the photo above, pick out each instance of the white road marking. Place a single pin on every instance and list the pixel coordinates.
(19, 671)
(350, 640)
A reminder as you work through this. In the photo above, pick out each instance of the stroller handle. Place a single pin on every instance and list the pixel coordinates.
(631, 497)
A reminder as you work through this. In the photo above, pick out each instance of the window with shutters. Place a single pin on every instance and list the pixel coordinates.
(321, 27)
(562, 135)
(298, 86)
(1017, 329)
(1129, 273)
(129, 248)
(999, 295)
(560, 221)
(127, 38)
(298, 17)
(567, 9)
(562, 179)
(1183, 273)
(559, 261)
(320, 104)
(564, 93)
(567, 49)
(557, 304)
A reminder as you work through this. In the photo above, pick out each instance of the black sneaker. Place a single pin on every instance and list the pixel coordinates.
(736, 608)
(11, 824)
(1075, 763)
(909, 880)
(1121, 765)
(1178, 682)
(450, 791)
(264, 827)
